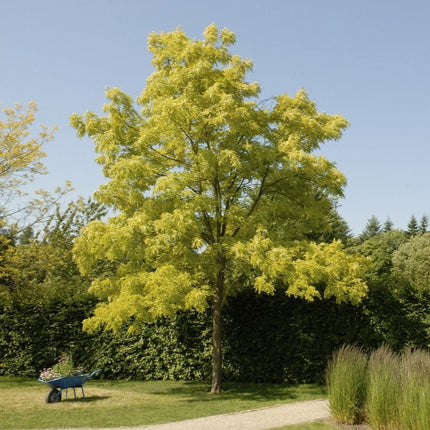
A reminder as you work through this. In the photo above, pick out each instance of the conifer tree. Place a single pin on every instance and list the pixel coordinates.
(413, 227)
(372, 228)
(388, 225)
(424, 223)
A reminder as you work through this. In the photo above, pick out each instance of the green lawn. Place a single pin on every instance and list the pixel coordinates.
(132, 403)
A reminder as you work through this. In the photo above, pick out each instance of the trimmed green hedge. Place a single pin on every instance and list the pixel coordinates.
(266, 339)
(283, 339)
(33, 336)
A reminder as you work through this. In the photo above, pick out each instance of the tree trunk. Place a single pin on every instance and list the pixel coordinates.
(217, 332)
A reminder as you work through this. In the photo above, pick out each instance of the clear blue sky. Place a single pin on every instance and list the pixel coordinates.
(368, 60)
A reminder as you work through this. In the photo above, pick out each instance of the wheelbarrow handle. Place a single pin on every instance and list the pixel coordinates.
(96, 372)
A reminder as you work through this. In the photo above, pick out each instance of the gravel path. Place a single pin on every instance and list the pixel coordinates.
(256, 419)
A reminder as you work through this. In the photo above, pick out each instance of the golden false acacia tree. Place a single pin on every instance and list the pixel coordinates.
(212, 192)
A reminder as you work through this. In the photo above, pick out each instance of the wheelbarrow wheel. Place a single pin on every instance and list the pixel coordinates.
(53, 396)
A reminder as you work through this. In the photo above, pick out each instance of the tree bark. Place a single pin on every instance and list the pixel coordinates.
(217, 332)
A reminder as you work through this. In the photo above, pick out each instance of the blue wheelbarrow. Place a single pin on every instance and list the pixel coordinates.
(58, 385)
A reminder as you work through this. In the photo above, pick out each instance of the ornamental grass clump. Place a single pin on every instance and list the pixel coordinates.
(414, 402)
(390, 391)
(346, 383)
(384, 389)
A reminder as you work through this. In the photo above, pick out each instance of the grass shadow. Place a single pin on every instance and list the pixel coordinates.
(88, 399)
(199, 391)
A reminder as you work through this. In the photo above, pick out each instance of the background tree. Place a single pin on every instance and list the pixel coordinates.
(20, 162)
(380, 249)
(391, 313)
(372, 228)
(424, 223)
(213, 192)
(7, 240)
(411, 274)
(388, 225)
(397, 302)
(413, 227)
(411, 262)
(40, 267)
(337, 229)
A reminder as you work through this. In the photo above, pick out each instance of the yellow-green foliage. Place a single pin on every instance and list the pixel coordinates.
(210, 187)
(20, 162)
(20, 154)
(411, 263)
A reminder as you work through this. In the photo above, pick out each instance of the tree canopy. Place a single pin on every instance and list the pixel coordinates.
(212, 191)
(411, 262)
(372, 228)
(39, 267)
(21, 157)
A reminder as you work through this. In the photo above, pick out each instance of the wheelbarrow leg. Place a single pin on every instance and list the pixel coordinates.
(67, 392)
(83, 394)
